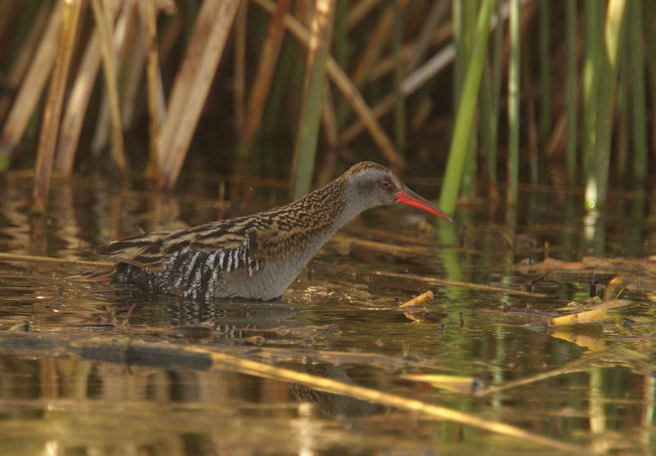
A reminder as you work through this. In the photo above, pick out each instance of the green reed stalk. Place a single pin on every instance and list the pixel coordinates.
(464, 19)
(544, 130)
(340, 34)
(533, 140)
(466, 109)
(497, 54)
(621, 143)
(638, 92)
(281, 98)
(513, 105)
(488, 102)
(570, 87)
(468, 181)
(461, 50)
(400, 111)
(488, 123)
(489, 105)
(313, 96)
(591, 73)
(597, 182)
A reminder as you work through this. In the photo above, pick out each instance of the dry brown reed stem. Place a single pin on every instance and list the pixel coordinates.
(531, 124)
(383, 247)
(262, 84)
(345, 85)
(76, 106)
(104, 27)
(378, 39)
(6, 9)
(326, 170)
(595, 314)
(426, 35)
(192, 85)
(52, 113)
(241, 25)
(418, 300)
(359, 11)
(409, 85)
(446, 382)
(456, 283)
(439, 39)
(27, 51)
(385, 236)
(155, 108)
(329, 120)
(33, 83)
(134, 62)
(558, 139)
(103, 124)
(365, 114)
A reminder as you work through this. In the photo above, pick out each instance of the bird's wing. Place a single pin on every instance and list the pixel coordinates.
(154, 250)
(144, 251)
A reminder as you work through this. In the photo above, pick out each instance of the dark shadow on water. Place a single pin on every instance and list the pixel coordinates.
(332, 405)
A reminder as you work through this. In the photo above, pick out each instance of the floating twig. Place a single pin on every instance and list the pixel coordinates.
(456, 283)
(597, 314)
(419, 300)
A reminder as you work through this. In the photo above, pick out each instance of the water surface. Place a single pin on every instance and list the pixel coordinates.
(88, 368)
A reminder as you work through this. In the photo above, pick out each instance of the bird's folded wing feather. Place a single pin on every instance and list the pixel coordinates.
(144, 251)
(153, 250)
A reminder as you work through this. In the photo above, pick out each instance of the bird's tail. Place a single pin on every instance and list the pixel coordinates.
(99, 275)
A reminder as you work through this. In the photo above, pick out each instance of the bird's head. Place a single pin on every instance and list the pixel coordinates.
(371, 185)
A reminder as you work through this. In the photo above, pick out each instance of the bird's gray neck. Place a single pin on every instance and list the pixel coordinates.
(346, 204)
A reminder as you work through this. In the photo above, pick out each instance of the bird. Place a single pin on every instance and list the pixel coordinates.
(255, 256)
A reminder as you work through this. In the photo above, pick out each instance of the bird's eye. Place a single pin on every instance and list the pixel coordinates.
(386, 183)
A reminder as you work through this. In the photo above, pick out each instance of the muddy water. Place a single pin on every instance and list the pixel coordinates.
(88, 368)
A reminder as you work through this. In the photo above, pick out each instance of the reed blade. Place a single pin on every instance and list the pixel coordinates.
(466, 109)
(513, 105)
(52, 113)
(192, 85)
(597, 180)
(313, 96)
(571, 84)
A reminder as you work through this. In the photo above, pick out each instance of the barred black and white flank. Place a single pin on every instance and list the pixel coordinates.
(256, 256)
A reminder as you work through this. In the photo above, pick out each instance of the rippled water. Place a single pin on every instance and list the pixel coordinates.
(88, 368)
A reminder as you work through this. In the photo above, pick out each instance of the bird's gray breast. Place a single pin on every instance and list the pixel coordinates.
(277, 274)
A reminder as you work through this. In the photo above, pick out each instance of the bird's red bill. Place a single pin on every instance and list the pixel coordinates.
(410, 198)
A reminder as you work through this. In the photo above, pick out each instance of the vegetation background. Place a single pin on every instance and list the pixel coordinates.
(486, 93)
